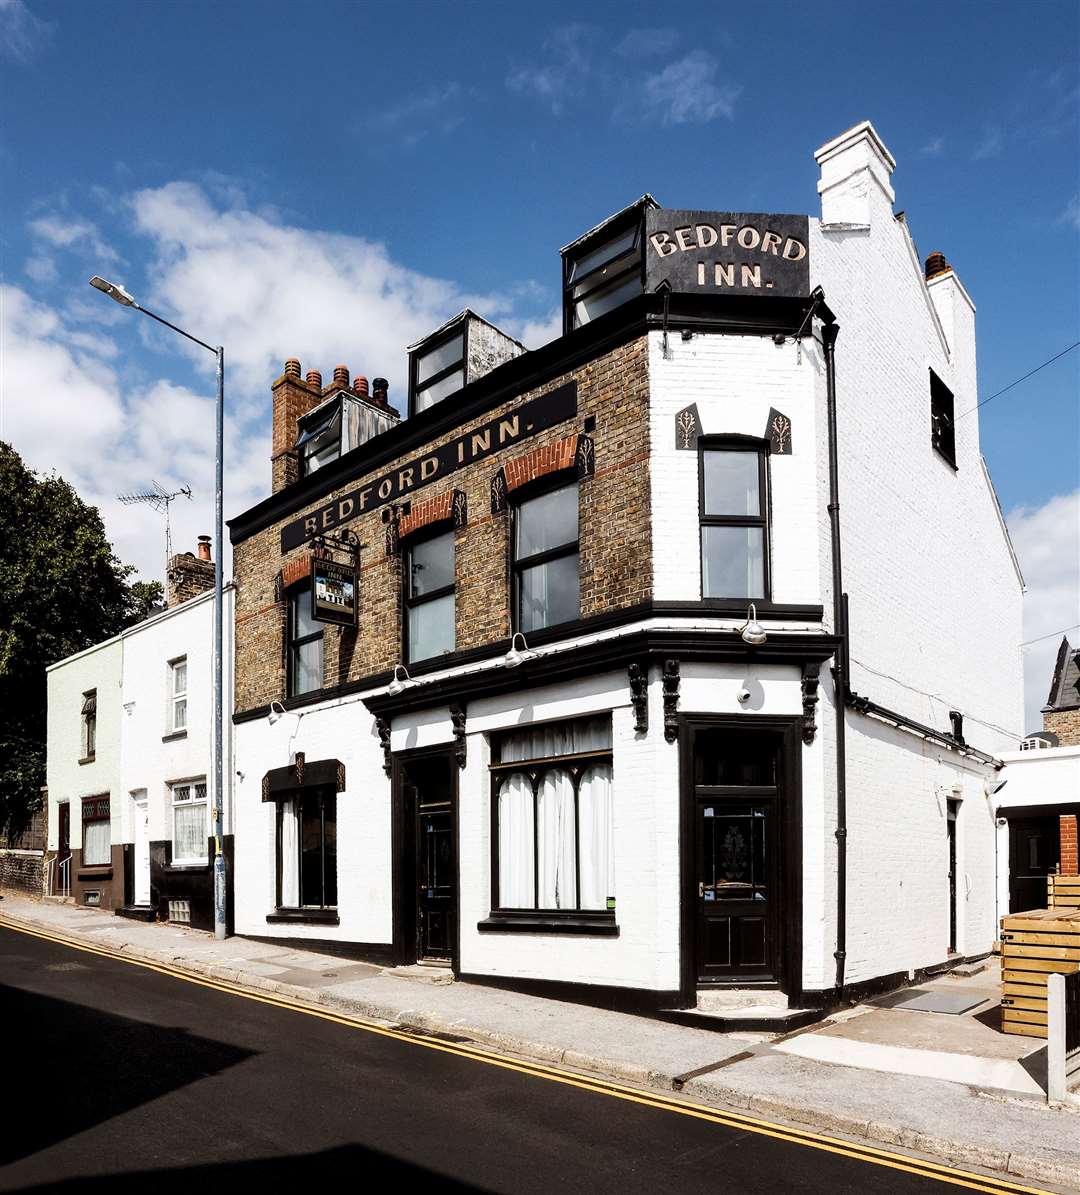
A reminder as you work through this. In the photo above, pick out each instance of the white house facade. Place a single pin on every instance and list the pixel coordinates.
(684, 648)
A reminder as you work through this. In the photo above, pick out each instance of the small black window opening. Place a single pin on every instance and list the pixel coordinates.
(942, 419)
(437, 370)
(734, 521)
(600, 276)
(89, 725)
(307, 851)
(429, 597)
(544, 559)
(305, 645)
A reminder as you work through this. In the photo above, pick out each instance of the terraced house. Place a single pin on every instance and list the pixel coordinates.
(665, 666)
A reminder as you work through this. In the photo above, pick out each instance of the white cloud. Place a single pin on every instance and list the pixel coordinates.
(1047, 542)
(41, 267)
(1071, 214)
(645, 43)
(22, 34)
(565, 73)
(991, 145)
(60, 232)
(933, 147)
(438, 110)
(686, 91)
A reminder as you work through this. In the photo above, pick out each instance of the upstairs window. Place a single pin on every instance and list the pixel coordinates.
(96, 832)
(429, 597)
(942, 419)
(319, 441)
(305, 645)
(88, 743)
(177, 713)
(734, 522)
(438, 371)
(547, 588)
(191, 827)
(601, 276)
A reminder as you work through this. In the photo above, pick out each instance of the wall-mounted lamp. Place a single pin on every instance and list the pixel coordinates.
(753, 632)
(401, 680)
(514, 657)
(993, 787)
(276, 712)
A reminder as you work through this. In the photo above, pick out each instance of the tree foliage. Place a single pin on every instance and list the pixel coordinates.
(62, 589)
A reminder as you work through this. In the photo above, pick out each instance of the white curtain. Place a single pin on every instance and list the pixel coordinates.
(553, 739)
(96, 849)
(555, 827)
(290, 852)
(596, 831)
(189, 830)
(516, 887)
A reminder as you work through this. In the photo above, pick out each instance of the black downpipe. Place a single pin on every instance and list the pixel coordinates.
(829, 333)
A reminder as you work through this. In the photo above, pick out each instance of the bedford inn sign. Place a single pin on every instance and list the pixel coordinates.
(733, 252)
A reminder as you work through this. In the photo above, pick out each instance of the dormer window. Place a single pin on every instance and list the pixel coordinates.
(439, 372)
(454, 355)
(319, 442)
(606, 267)
(337, 426)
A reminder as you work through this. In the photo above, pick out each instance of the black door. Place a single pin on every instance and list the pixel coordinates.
(435, 882)
(736, 902)
(62, 879)
(951, 824)
(1034, 851)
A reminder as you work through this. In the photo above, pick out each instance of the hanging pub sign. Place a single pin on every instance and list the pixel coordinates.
(741, 253)
(333, 592)
(556, 406)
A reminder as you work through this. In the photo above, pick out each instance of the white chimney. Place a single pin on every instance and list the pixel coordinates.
(856, 170)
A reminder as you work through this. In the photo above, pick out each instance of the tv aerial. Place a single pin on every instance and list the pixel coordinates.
(158, 499)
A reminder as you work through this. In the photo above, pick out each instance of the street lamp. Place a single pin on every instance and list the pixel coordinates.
(119, 295)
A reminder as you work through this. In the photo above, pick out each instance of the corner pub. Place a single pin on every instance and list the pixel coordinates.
(596, 711)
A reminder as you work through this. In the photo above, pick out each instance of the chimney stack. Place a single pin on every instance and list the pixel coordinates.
(292, 397)
(856, 176)
(936, 264)
(188, 575)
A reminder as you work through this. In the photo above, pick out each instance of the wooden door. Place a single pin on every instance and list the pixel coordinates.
(1034, 851)
(435, 883)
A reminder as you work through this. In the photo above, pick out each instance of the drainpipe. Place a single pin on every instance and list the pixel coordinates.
(829, 332)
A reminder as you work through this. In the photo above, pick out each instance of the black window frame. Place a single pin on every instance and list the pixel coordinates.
(322, 794)
(293, 597)
(942, 419)
(328, 415)
(537, 918)
(88, 727)
(100, 807)
(763, 519)
(597, 275)
(429, 346)
(537, 489)
(410, 603)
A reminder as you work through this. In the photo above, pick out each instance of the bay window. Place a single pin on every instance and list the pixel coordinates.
(96, 832)
(429, 597)
(305, 645)
(552, 814)
(547, 588)
(190, 822)
(734, 522)
(307, 851)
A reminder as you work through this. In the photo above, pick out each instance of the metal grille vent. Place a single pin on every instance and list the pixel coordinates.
(180, 912)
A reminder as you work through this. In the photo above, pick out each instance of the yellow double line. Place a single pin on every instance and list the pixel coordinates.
(735, 1120)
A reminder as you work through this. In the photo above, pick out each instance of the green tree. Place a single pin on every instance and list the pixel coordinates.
(62, 589)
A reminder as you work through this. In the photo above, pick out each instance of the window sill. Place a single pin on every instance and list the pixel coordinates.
(597, 925)
(303, 917)
(173, 736)
(87, 759)
(95, 871)
(188, 865)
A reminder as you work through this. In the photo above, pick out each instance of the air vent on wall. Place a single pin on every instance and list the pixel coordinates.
(180, 912)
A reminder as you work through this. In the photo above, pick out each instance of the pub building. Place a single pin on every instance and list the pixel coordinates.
(672, 659)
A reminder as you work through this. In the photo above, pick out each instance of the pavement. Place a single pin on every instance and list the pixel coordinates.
(952, 1087)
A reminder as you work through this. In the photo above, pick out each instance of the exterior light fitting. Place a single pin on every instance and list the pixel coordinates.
(753, 632)
(276, 711)
(113, 290)
(401, 680)
(514, 657)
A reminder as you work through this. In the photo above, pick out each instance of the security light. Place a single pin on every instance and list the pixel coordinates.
(276, 711)
(514, 657)
(400, 682)
(113, 290)
(753, 632)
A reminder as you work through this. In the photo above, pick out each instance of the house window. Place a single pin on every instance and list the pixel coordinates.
(734, 522)
(603, 276)
(190, 824)
(89, 725)
(307, 851)
(942, 419)
(545, 559)
(178, 694)
(305, 646)
(429, 597)
(438, 372)
(319, 441)
(552, 806)
(96, 832)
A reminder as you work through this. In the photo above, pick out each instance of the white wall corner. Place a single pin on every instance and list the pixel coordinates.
(855, 167)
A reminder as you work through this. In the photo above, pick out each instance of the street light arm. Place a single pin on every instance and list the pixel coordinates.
(209, 347)
(119, 295)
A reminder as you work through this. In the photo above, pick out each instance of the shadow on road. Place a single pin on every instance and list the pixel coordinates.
(78, 1066)
(348, 1164)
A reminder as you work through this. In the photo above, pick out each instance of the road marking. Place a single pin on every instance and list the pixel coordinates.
(765, 1128)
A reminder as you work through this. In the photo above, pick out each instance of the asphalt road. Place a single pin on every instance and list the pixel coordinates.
(119, 1078)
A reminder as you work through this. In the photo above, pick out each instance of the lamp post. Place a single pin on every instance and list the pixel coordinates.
(121, 296)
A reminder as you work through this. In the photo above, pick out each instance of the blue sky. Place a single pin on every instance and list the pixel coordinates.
(331, 179)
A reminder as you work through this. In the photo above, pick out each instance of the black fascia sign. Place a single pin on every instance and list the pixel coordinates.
(743, 253)
(507, 429)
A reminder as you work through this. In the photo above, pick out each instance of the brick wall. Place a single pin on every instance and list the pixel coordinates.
(614, 536)
(1065, 724)
(1069, 860)
(22, 871)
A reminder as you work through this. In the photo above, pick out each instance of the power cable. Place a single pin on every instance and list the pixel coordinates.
(999, 393)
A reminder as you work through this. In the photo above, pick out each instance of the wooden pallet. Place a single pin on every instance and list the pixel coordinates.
(1063, 892)
(1035, 945)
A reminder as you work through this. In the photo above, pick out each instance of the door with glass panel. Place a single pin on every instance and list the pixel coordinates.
(430, 865)
(736, 816)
